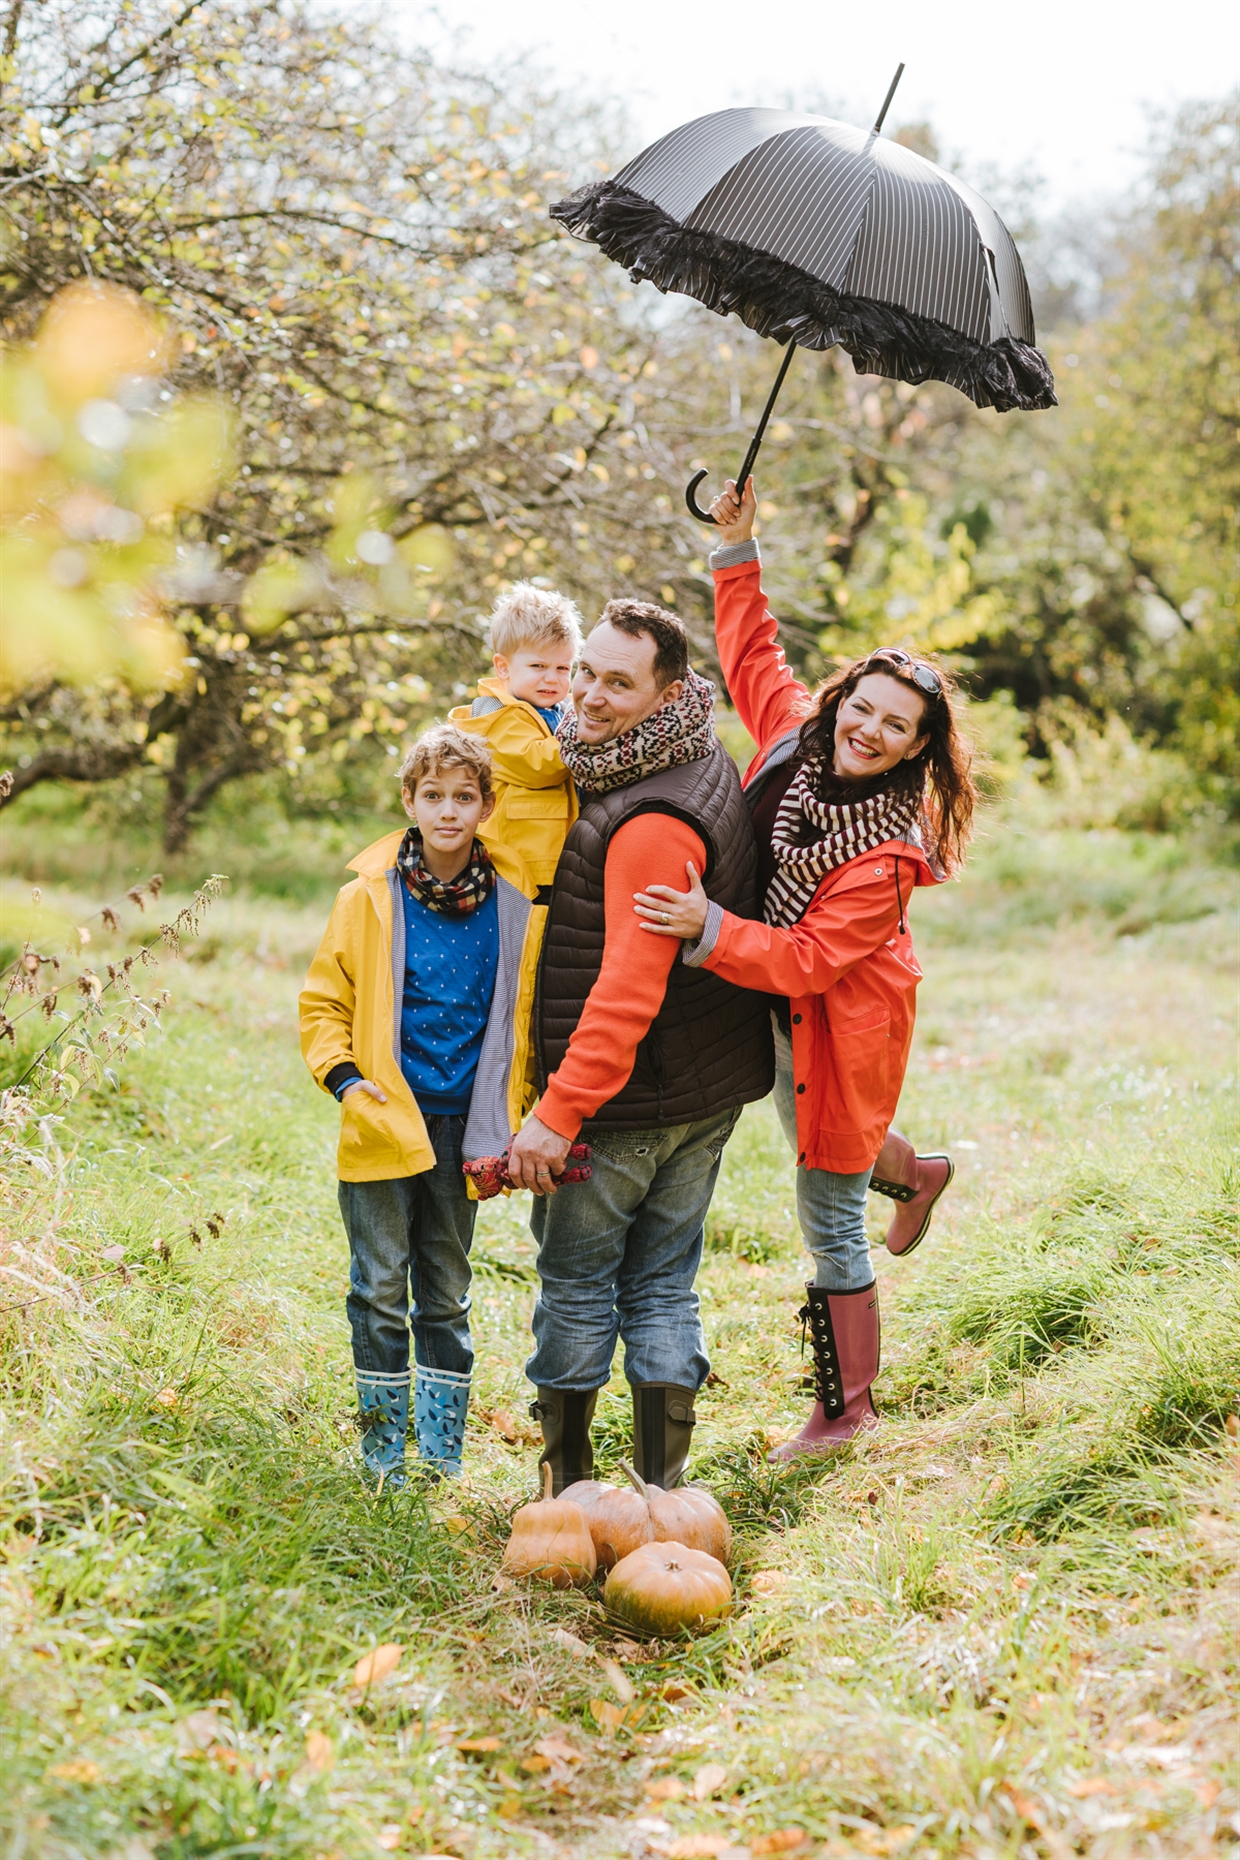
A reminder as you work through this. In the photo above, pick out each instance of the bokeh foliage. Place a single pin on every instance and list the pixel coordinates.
(430, 392)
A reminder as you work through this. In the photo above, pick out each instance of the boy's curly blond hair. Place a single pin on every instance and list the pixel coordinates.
(530, 616)
(442, 747)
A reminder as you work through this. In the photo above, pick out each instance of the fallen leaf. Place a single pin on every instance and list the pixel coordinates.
(199, 1731)
(578, 1648)
(1091, 1785)
(709, 1781)
(1208, 1792)
(610, 1717)
(167, 1398)
(535, 1764)
(377, 1664)
(1025, 1806)
(319, 1752)
(558, 1749)
(619, 1681)
(504, 1424)
(226, 1757)
(767, 1581)
(500, 1583)
(665, 1788)
(457, 1524)
(477, 1743)
(673, 1691)
(782, 1841)
(885, 1840)
(693, 1846)
(1232, 1424)
(77, 1770)
(509, 1807)
(388, 1837)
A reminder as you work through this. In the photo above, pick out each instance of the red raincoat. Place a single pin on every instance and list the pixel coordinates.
(848, 967)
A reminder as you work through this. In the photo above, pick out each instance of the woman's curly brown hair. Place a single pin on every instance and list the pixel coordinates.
(943, 765)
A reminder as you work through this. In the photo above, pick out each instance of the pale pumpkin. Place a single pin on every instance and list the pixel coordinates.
(664, 1588)
(686, 1516)
(551, 1542)
(618, 1518)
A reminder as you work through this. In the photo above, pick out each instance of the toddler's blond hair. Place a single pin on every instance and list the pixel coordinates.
(530, 616)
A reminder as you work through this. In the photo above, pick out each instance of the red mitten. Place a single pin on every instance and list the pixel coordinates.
(489, 1174)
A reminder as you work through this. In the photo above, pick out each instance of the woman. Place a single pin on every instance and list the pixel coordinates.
(865, 794)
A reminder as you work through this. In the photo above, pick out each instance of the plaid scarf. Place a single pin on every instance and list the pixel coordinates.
(846, 828)
(455, 897)
(680, 732)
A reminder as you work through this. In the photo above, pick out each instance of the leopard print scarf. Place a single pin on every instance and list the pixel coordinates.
(682, 731)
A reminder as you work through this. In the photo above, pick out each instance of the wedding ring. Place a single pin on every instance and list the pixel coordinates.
(666, 918)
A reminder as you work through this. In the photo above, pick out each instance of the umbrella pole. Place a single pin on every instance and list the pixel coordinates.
(755, 444)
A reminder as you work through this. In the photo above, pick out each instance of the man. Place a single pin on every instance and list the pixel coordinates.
(648, 1059)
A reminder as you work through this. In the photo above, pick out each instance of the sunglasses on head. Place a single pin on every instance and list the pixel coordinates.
(923, 676)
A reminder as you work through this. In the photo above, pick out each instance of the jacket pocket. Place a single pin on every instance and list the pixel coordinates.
(549, 805)
(862, 1052)
(366, 1133)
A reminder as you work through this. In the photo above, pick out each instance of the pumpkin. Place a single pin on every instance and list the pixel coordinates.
(688, 1516)
(663, 1588)
(551, 1541)
(618, 1518)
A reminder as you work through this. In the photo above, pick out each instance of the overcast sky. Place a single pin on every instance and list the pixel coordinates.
(1060, 87)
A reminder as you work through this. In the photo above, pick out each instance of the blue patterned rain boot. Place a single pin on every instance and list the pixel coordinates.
(383, 1414)
(441, 1399)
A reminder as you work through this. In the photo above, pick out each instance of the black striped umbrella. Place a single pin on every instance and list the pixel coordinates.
(816, 233)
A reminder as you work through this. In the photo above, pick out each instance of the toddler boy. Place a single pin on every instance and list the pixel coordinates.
(412, 1016)
(535, 638)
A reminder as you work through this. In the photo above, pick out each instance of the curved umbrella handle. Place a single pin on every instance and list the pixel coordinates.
(703, 516)
(755, 444)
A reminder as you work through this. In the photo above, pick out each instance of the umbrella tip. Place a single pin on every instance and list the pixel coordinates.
(891, 91)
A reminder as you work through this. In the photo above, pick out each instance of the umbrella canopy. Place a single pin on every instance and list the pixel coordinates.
(817, 233)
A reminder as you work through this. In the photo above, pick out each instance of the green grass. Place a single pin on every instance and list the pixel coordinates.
(1004, 1626)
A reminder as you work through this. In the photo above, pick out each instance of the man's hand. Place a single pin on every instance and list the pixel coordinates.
(536, 1155)
(734, 515)
(366, 1085)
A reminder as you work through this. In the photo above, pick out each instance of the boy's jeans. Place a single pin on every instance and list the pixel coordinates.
(413, 1233)
(618, 1255)
(830, 1207)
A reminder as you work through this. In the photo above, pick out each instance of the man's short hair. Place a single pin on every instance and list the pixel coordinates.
(530, 616)
(442, 747)
(671, 642)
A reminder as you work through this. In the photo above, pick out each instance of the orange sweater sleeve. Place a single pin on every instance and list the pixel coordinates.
(652, 849)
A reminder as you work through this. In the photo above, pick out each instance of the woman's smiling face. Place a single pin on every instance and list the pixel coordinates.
(878, 724)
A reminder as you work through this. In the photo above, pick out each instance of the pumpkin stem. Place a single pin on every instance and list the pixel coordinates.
(548, 1479)
(635, 1479)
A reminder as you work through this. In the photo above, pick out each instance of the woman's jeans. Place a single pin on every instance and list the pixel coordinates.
(412, 1235)
(617, 1256)
(830, 1207)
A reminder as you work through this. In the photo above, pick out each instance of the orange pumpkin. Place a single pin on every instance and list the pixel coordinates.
(664, 1588)
(618, 1518)
(551, 1541)
(688, 1515)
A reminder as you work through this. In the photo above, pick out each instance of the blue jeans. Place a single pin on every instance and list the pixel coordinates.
(830, 1207)
(412, 1235)
(617, 1256)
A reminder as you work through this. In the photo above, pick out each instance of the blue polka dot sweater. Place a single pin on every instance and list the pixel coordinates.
(450, 965)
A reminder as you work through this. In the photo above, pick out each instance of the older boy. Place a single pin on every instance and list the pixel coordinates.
(409, 1017)
(535, 637)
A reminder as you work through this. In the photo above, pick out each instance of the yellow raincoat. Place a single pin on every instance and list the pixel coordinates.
(350, 1010)
(535, 801)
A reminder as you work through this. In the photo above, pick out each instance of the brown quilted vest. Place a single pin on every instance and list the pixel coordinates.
(709, 1045)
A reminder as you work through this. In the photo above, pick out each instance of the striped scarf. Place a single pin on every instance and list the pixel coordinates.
(453, 897)
(679, 732)
(846, 829)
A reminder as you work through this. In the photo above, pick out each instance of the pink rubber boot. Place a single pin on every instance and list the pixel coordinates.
(845, 1333)
(914, 1183)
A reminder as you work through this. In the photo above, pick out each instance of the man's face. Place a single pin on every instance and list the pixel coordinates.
(615, 689)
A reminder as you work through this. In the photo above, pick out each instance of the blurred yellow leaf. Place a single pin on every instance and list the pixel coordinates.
(93, 334)
(319, 1752)
(620, 1683)
(782, 1841)
(277, 590)
(77, 1770)
(709, 1781)
(478, 1743)
(427, 548)
(693, 1846)
(561, 414)
(665, 1788)
(378, 1663)
(589, 357)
